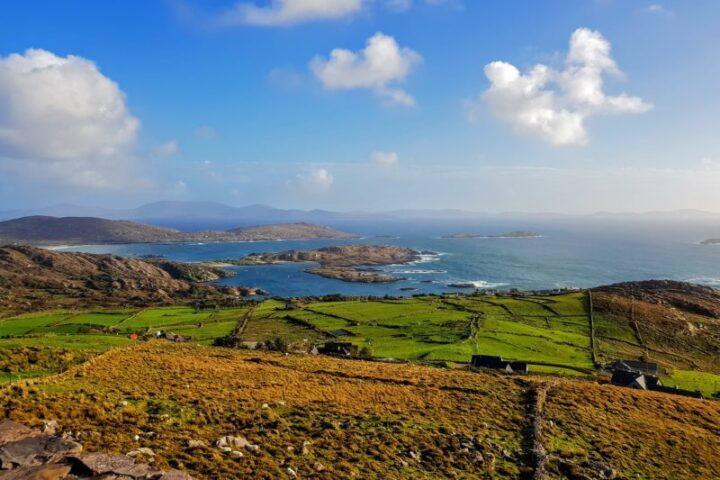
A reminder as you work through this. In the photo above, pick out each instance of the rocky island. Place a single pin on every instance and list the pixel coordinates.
(342, 262)
(711, 241)
(44, 230)
(513, 234)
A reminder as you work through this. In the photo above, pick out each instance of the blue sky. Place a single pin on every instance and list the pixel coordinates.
(221, 101)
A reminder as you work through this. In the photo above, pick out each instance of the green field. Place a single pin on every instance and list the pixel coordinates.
(552, 333)
(707, 383)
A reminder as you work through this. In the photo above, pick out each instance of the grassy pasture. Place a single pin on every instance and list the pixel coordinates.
(707, 383)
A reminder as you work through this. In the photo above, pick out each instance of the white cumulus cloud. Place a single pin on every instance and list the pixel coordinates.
(554, 104)
(62, 119)
(379, 67)
(289, 12)
(385, 159)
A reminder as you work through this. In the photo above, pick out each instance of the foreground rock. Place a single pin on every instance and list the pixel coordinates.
(30, 454)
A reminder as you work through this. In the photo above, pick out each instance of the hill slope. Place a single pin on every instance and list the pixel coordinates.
(35, 278)
(330, 418)
(78, 230)
(674, 323)
(44, 230)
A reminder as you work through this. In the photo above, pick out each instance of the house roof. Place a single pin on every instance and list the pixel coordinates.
(634, 365)
(341, 333)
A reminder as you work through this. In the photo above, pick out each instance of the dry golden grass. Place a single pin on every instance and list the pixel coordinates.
(363, 418)
(645, 435)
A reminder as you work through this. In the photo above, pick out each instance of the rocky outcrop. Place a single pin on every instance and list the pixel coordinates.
(351, 275)
(35, 278)
(684, 296)
(31, 454)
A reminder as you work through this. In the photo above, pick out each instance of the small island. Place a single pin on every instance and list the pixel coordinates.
(513, 234)
(711, 241)
(341, 262)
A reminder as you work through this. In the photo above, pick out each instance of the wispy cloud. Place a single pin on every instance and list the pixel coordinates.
(289, 12)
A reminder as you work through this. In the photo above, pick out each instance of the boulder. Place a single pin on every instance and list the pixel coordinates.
(234, 443)
(13, 431)
(105, 464)
(53, 471)
(195, 444)
(36, 450)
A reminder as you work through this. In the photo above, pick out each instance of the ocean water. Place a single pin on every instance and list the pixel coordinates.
(569, 254)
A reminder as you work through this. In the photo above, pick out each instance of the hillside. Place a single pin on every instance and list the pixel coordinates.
(35, 278)
(41, 230)
(674, 323)
(326, 418)
(44, 230)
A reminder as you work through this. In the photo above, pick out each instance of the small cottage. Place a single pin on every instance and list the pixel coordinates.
(339, 348)
(638, 380)
(498, 363)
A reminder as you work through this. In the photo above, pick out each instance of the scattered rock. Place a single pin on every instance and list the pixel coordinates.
(236, 454)
(605, 470)
(31, 455)
(234, 443)
(319, 467)
(291, 472)
(306, 448)
(252, 448)
(50, 427)
(196, 444)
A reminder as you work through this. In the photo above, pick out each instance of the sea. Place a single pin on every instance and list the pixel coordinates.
(570, 253)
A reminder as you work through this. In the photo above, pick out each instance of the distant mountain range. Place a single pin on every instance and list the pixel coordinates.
(46, 230)
(203, 215)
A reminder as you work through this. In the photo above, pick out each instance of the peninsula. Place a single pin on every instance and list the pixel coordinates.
(341, 262)
(47, 231)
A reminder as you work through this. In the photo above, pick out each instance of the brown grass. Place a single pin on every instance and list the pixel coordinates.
(362, 417)
(366, 420)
